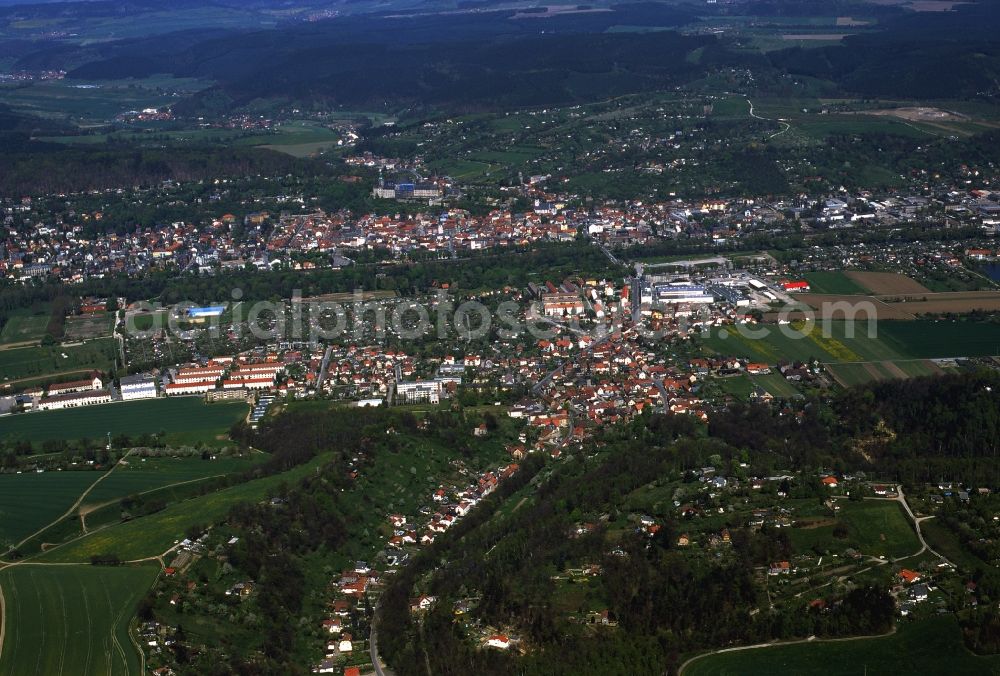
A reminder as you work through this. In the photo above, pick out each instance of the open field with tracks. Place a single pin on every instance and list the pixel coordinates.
(150, 474)
(957, 302)
(30, 501)
(33, 501)
(152, 535)
(931, 647)
(71, 620)
(839, 306)
(859, 373)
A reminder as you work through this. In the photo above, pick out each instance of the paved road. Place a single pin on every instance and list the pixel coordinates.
(664, 395)
(322, 368)
(373, 649)
(611, 256)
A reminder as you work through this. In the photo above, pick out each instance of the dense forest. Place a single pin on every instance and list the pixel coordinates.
(497, 59)
(32, 168)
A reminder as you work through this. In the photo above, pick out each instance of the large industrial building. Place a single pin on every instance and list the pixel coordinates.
(654, 291)
(390, 190)
(137, 387)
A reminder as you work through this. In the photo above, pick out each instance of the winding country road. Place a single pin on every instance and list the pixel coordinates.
(768, 119)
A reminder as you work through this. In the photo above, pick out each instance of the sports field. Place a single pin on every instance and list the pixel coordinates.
(71, 619)
(88, 327)
(185, 420)
(930, 647)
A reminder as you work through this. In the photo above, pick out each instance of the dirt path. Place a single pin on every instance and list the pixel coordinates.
(774, 644)
(3, 619)
(48, 375)
(23, 343)
(768, 119)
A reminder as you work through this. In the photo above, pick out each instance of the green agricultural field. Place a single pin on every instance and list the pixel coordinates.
(35, 362)
(931, 647)
(29, 502)
(186, 420)
(946, 542)
(875, 528)
(880, 528)
(891, 341)
(25, 325)
(917, 368)
(71, 620)
(461, 169)
(776, 384)
(154, 534)
(789, 342)
(929, 339)
(850, 375)
(861, 373)
(832, 282)
(142, 475)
